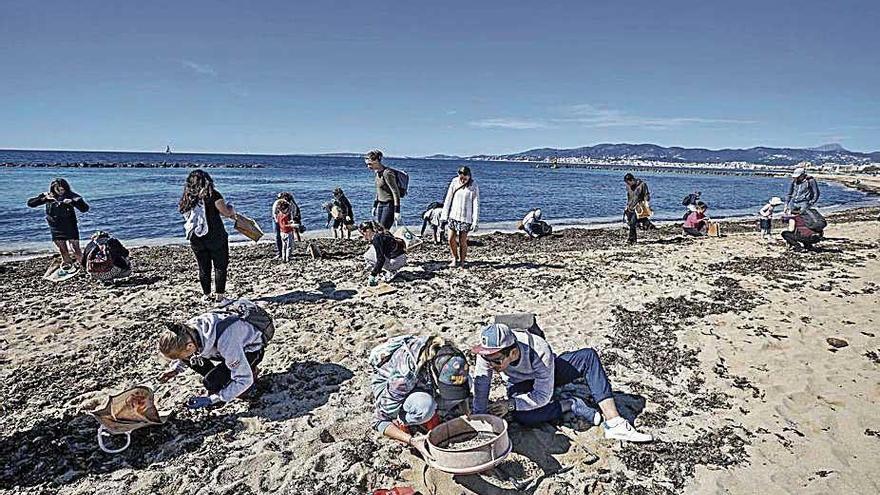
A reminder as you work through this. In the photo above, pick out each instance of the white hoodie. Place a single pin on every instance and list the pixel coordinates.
(462, 204)
(238, 338)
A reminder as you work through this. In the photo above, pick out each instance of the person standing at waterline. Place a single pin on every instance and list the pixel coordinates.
(202, 205)
(461, 211)
(637, 196)
(386, 207)
(60, 202)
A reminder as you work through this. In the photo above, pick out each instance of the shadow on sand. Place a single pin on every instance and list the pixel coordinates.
(326, 291)
(59, 450)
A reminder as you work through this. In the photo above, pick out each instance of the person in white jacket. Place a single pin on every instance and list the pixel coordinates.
(224, 350)
(461, 211)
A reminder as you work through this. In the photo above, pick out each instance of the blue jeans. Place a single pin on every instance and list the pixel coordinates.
(568, 367)
(385, 214)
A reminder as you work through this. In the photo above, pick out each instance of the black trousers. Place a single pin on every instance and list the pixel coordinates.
(633, 221)
(794, 239)
(212, 253)
(217, 375)
(693, 232)
(277, 238)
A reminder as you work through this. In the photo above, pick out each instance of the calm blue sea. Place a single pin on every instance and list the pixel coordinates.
(139, 205)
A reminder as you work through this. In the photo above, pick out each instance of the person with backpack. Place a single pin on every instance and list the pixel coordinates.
(696, 224)
(225, 346)
(636, 212)
(461, 211)
(532, 372)
(286, 227)
(61, 204)
(433, 216)
(805, 229)
(803, 191)
(386, 207)
(417, 382)
(105, 258)
(387, 253)
(202, 206)
(343, 220)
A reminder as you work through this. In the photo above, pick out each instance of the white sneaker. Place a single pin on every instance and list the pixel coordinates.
(581, 410)
(453, 264)
(620, 429)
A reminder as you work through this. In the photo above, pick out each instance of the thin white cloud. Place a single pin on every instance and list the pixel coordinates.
(198, 68)
(504, 123)
(592, 116)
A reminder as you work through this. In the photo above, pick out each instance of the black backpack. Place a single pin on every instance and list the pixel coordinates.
(243, 309)
(814, 220)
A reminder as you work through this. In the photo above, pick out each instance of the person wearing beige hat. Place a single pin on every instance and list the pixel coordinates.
(803, 191)
(766, 216)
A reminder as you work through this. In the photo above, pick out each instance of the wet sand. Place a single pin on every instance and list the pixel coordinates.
(725, 342)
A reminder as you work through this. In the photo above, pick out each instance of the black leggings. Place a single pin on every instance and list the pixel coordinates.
(212, 253)
(217, 375)
(694, 232)
(794, 239)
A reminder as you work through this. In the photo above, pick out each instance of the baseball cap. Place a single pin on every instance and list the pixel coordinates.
(798, 172)
(493, 338)
(451, 374)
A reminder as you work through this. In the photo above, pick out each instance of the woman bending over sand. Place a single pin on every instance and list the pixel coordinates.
(60, 202)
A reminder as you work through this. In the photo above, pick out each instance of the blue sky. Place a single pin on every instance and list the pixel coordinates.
(417, 78)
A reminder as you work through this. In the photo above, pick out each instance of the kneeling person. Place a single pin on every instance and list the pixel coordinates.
(532, 372)
(105, 258)
(224, 348)
(387, 253)
(415, 380)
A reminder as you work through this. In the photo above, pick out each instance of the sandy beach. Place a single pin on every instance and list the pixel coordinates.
(725, 340)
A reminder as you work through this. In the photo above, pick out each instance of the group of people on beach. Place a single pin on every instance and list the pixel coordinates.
(417, 381)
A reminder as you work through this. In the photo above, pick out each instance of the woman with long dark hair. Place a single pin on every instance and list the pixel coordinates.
(202, 206)
(60, 202)
(461, 209)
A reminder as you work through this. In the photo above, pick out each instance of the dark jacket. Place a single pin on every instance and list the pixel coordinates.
(387, 246)
(345, 205)
(637, 194)
(61, 217)
(117, 252)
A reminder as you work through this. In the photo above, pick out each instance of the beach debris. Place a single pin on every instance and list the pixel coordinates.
(836, 343)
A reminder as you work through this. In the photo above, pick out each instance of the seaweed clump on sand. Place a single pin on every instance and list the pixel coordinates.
(773, 268)
(720, 448)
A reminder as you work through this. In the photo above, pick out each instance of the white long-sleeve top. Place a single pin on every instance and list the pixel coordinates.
(767, 211)
(462, 204)
(536, 362)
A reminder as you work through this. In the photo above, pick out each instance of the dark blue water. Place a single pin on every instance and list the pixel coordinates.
(140, 203)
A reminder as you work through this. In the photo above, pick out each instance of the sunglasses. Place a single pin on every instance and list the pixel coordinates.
(496, 360)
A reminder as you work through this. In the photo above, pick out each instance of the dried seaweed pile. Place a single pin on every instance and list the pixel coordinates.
(648, 338)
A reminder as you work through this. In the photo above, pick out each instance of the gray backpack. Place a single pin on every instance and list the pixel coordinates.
(242, 309)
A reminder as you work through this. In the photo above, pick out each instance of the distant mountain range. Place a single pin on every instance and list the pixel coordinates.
(761, 155)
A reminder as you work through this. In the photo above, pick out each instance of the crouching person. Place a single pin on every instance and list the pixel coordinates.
(387, 254)
(532, 371)
(224, 346)
(417, 381)
(105, 258)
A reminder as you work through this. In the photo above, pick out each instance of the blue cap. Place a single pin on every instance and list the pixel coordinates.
(493, 338)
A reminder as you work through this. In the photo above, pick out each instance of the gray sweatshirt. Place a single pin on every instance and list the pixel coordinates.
(238, 338)
(807, 191)
(536, 363)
